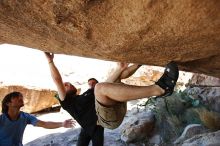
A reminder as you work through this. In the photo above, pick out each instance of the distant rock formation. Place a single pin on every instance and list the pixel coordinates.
(34, 99)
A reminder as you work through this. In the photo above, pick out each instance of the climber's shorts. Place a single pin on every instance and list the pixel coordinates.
(110, 117)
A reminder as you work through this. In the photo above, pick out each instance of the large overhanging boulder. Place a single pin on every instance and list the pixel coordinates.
(148, 31)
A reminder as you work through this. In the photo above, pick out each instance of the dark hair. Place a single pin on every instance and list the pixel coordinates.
(7, 99)
(92, 79)
(74, 91)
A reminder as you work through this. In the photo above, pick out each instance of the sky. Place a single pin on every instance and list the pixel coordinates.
(25, 66)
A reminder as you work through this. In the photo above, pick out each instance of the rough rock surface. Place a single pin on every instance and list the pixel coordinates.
(149, 31)
(34, 99)
(204, 81)
(207, 89)
(207, 139)
(138, 127)
(70, 137)
(190, 131)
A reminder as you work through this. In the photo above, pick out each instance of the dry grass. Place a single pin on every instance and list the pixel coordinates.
(209, 119)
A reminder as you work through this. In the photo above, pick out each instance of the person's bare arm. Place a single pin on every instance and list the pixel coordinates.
(116, 73)
(52, 125)
(56, 76)
(129, 71)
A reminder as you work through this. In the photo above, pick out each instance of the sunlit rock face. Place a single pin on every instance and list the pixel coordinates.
(150, 32)
(34, 99)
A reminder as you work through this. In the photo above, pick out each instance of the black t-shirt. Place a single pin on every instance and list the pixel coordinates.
(82, 109)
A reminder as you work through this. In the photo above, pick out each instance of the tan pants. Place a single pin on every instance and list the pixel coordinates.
(111, 117)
